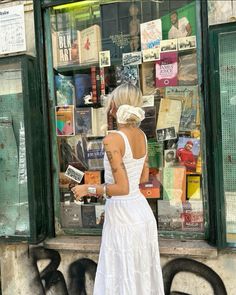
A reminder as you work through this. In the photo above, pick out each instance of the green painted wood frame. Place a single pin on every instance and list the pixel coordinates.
(201, 10)
(216, 171)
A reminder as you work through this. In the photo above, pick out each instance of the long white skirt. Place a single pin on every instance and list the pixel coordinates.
(129, 260)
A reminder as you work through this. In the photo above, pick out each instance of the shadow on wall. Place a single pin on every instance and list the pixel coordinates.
(54, 283)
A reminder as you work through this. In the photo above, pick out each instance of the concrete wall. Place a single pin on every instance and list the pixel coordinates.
(38, 270)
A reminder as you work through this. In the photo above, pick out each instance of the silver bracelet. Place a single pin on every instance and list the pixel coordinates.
(105, 196)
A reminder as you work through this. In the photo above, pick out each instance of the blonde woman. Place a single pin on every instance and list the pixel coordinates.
(129, 262)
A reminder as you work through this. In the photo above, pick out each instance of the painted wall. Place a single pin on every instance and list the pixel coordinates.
(39, 271)
(221, 11)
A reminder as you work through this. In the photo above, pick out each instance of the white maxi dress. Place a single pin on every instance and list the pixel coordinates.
(129, 260)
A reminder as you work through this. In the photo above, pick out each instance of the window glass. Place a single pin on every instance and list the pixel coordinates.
(98, 45)
(14, 214)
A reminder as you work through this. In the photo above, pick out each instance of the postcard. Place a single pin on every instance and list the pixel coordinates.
(169, 45)
(148, 101)
(151, 54)
(104, 58)
(132, 58)
(74, 173)
(166, 134)
(187, 43)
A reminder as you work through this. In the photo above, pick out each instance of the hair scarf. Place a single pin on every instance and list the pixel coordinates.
(125, 112)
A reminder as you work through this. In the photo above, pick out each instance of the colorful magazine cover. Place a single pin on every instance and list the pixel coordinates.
(187, 153)
(167, 69)
(151, 34)
(180, 23)
(65, 120)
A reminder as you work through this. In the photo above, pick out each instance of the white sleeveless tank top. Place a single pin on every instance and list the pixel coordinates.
(133, 167)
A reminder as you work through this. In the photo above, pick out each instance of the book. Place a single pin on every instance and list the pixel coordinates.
(65, 120)
(94, 153)
(188, 95)
(83, 90)
(148, 125)
(99, 121)
(187, 70)
(194, 187)
(174, 184)
(71, 152)
(70, 215)
(65, 90)
(65, 50)
(83, 120)
(128, 74)
(100, 215)
(167, 69)
(92, 177)
(155, 154)
(89, 42)
(88, 215)
(150, 34)
(187, 153)
(169, 114)
(147, 78)
(192, 216)
(169, 215)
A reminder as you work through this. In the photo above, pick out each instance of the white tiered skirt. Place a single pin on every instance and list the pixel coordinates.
(129, 260)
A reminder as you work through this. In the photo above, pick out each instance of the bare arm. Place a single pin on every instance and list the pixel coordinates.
(112, 144)
(145, 173)
(189, 29)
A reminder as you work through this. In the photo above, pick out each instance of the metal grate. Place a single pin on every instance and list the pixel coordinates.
(227, 70)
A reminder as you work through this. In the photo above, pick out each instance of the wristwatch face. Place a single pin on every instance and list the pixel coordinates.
(92, 190)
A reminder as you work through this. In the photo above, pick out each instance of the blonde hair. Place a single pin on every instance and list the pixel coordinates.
(128, 94)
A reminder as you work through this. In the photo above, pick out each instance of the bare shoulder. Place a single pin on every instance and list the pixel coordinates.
(112, 139)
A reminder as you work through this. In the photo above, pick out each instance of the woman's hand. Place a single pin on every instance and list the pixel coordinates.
(80, 191)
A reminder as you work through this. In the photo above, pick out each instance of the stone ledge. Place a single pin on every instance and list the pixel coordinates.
(168, 247)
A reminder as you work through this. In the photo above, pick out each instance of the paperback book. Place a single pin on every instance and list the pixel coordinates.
(65, 90)
(89, 44)
(83, 90)
(65, 120)
(167, 69)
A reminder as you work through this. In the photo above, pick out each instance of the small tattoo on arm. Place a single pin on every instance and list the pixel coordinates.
(114, 170)
(122, 165)
(109, 155)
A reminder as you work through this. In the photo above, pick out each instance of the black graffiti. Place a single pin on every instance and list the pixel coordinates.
(189, 265)
(51, 281)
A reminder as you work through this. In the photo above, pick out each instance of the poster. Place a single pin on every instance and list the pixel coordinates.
(167, 69)
(179, 23)
(12, 29)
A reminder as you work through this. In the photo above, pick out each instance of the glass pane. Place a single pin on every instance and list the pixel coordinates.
(227, 67)
(164, 33)
(14, 219)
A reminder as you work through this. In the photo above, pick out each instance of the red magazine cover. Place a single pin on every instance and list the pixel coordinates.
(167, 69)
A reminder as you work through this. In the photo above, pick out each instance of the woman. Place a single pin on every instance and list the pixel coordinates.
(129, 262)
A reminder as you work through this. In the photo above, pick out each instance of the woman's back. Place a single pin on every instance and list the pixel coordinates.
(132, 144)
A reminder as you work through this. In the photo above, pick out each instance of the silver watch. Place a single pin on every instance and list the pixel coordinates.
(92, 190)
